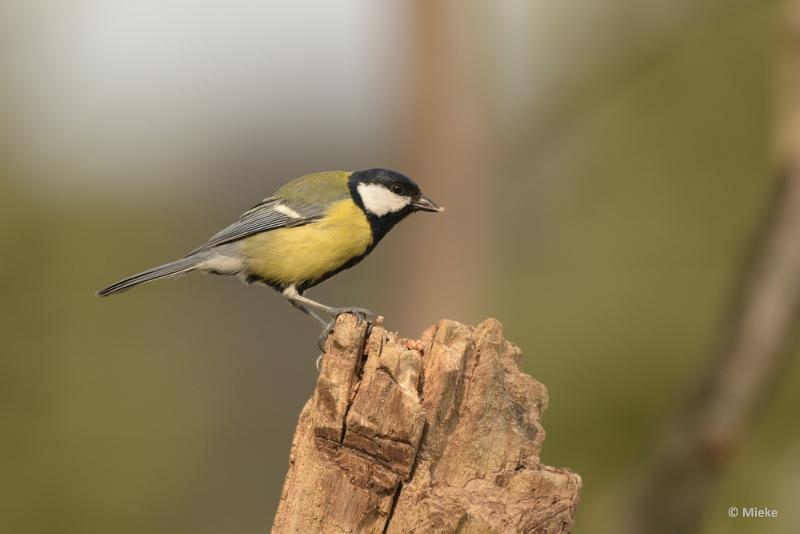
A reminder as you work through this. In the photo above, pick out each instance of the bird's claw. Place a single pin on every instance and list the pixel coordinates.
(323, 336)
(362, 313)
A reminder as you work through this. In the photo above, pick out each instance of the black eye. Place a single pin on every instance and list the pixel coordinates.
(397, 189)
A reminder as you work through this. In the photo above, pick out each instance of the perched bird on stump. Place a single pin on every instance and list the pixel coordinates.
(311, 229)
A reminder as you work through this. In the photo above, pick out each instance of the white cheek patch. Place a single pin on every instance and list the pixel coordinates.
(379, 201)
(286, 210)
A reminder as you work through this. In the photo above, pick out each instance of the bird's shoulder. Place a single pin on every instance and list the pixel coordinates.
(297, 203)
(319, 188)
(304, 199)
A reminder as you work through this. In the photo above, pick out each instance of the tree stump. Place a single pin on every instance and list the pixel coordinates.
(437, 435)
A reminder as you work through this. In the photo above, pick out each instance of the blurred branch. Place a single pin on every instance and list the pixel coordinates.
(441, 435)
(447, 147)
(752, 350)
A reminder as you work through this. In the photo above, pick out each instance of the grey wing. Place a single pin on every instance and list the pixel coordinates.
(269, 214)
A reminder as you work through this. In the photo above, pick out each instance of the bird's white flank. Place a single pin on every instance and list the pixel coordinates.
(222, 264)
(379, 201)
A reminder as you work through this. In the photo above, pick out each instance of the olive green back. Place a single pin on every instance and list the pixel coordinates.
(318, 188)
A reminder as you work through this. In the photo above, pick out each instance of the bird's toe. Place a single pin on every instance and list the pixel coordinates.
(362, 313)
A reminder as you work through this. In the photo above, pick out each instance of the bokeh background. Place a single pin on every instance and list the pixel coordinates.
(604, 166)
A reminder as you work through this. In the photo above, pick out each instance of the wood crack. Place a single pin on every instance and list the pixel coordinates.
(437, 435)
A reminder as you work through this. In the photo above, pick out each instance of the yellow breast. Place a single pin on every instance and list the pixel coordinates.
(306, 253)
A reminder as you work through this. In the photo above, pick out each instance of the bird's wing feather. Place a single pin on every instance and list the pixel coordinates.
(299, 202)
(269, 214)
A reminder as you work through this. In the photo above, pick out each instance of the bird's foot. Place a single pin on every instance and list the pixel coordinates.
(362, 313)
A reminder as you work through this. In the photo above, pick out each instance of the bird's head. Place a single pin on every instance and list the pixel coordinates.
(383, 193)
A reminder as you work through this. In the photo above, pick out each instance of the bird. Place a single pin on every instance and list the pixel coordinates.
(309, 230)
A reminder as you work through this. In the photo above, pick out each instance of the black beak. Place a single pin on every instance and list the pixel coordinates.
(423, 203)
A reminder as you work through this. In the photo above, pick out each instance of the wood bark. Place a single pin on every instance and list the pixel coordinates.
(437, 435)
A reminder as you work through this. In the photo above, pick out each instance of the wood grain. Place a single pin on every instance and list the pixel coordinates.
(437, 435)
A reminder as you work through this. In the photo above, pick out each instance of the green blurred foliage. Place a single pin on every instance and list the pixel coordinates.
(631, 259)
(616, 235)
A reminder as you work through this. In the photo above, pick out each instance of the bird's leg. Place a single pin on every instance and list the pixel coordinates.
(311, 313)
(327, 324)
(308, 305)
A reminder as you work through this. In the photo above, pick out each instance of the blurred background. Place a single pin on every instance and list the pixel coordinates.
(604, 166)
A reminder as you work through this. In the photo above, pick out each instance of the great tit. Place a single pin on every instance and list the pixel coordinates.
(311, 229)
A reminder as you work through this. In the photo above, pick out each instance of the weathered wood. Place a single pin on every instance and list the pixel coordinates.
(437, 435)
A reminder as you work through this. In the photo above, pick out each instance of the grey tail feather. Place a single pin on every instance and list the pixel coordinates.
(172, 269)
